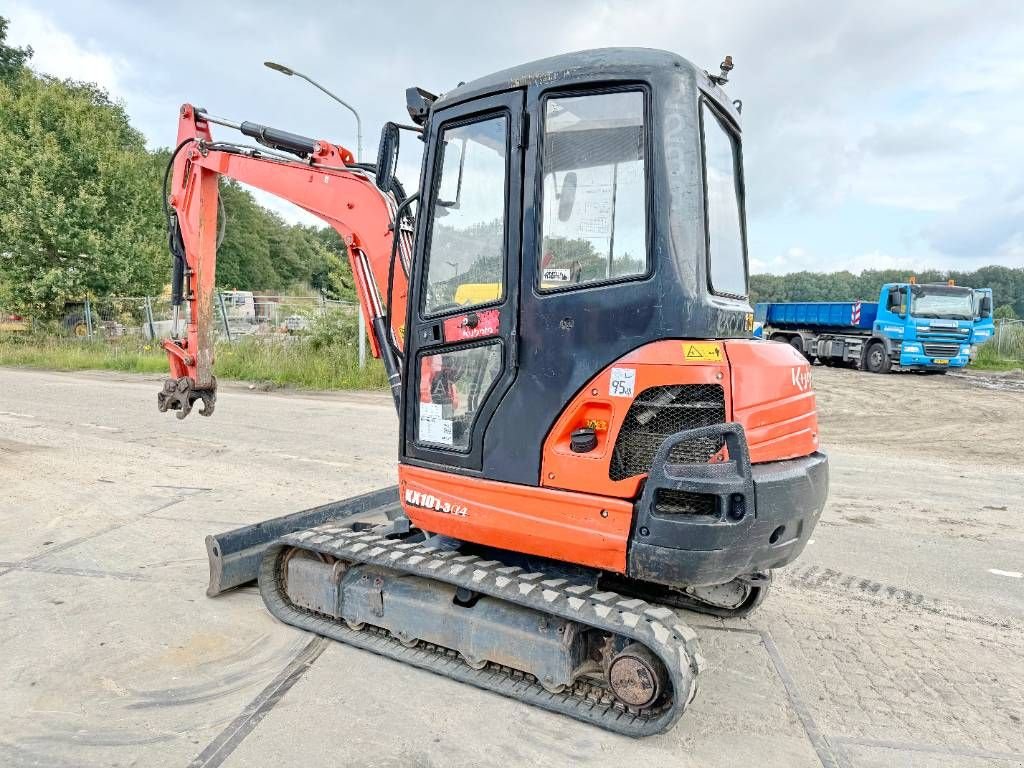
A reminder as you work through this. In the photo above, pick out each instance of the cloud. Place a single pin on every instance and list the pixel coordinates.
(905, 106)
(988, 227)
(57, 53)
(798, 259)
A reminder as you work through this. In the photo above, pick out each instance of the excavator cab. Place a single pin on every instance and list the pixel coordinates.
(578, 295)
(585, 422)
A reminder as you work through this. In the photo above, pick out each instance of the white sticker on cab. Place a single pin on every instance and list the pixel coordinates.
(551, 275)
(434, 428)
(622, 383)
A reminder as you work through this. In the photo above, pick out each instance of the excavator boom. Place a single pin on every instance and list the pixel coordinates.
(323, 179)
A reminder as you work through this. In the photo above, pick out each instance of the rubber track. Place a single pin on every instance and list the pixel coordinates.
(685, 602)
(656, 627)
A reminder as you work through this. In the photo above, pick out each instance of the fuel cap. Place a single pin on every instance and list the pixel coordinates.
(583, 440)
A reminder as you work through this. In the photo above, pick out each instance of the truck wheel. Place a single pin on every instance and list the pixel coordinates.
(798, 344)
(876, 360)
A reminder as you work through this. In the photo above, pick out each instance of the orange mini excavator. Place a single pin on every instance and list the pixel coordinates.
(589, 436)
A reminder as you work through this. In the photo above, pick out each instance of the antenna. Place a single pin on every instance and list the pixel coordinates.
(723, 78)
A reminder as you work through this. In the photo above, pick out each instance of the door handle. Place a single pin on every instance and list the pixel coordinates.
(431, 334)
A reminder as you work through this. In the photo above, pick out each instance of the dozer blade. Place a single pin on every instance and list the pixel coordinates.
(234, 556)
(618, 663)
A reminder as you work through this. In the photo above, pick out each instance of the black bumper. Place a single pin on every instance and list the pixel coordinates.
(699, 524)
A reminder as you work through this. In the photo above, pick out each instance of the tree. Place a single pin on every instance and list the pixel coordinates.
(330, 272)
(80, 206)
(79, 196)
(1005, 312)
(1007, 284)
(12, 60)
(261, 252)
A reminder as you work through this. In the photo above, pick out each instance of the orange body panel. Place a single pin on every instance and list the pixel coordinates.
(573, 527)
(657, 364)
(767, 391)
(773, 399)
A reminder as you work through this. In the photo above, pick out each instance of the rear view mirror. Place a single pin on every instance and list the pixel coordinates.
(567, 197)
(986, 306)
(895, 300)
(387, 157)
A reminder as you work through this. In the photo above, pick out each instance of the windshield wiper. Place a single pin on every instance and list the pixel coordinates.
(947, 316)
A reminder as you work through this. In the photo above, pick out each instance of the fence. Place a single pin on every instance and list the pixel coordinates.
(1008, 339)
(239, 315)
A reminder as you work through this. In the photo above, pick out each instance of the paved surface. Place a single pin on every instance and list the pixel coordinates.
(898, 639)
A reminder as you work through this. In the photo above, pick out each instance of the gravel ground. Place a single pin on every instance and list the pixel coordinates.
(897, 639)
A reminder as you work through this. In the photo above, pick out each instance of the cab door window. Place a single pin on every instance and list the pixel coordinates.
(594, 190)
(466, 262)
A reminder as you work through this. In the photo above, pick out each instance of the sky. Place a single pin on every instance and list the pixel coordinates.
(876, 134)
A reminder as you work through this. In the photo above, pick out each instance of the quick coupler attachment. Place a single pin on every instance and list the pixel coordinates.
(181, 394)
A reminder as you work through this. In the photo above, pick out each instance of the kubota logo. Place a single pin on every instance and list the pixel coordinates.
(801, 376)
(429, 501)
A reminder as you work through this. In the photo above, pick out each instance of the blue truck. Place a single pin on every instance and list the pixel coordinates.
(927, 327)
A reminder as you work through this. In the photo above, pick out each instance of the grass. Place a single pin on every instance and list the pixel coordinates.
(989, 359)
(985, 362)
(296, 362)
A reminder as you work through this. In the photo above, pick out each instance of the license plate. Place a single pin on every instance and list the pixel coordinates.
(937, 361)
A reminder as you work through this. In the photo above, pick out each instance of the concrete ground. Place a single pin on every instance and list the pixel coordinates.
(896, 639)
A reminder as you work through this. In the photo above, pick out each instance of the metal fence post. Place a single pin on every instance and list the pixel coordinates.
(224, 314)
(149, 319)
(88, 317)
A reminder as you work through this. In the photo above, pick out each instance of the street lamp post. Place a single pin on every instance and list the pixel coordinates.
(359, 156)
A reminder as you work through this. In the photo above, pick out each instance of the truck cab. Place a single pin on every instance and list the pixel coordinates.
(926, 327)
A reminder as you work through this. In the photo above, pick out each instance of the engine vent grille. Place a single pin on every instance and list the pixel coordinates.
(659, 412)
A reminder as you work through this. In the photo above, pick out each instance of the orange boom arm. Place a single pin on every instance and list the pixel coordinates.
(326, 182)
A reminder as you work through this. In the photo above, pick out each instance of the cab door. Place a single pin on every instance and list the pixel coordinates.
(463, 317)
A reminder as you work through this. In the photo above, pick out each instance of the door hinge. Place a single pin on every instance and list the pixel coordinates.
(520, 133)
(513, 350)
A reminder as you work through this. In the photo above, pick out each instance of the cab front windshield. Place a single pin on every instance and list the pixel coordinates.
(943, 302)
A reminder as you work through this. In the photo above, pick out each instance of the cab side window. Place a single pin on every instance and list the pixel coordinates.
(594, 197)
(726, 248)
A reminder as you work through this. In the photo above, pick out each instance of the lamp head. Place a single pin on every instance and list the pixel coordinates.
(279, 68)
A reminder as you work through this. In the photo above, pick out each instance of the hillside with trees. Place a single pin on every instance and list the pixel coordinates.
(80, 215)
(81, 212)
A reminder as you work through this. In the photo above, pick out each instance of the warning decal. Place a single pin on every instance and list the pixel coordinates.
(702, 351)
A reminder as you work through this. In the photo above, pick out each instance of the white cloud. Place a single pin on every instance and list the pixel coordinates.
(908, 106)
(57, 53)
(798, 259)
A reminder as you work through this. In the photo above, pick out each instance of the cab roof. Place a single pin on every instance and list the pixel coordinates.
(590, 65)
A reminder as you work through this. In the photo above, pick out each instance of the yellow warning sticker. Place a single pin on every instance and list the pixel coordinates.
(702, 351)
